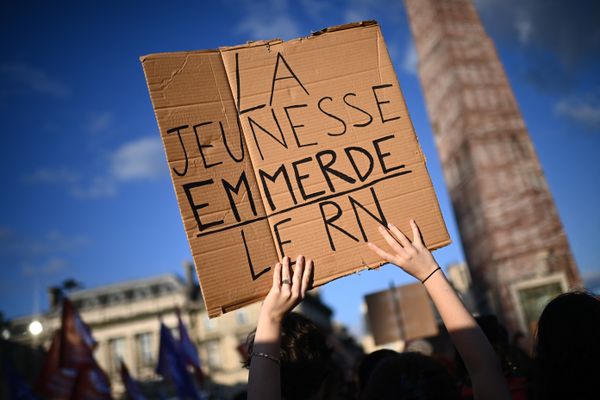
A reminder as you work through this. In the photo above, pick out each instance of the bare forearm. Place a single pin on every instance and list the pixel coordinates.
(480, 359)
(468, 338)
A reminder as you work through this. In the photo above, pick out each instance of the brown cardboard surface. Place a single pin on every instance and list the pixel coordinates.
(297, 147)
(400, 313)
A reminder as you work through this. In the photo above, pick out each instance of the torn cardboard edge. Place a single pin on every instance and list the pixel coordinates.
(265, 42)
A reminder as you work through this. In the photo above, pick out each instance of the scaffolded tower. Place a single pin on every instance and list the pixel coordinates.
(514, 242)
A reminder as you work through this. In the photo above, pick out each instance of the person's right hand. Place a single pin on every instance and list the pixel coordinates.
(413, 257)
(287, 291)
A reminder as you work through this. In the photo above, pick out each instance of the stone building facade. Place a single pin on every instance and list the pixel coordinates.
(125, 321)
(514, 242)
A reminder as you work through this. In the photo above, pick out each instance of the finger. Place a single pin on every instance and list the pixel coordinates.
(391, 241)
(277, 275)
(296, 280)
(381, 253)
(417, 237)
(286, 275)
(399, 235)
(306, 277)
(285, 268)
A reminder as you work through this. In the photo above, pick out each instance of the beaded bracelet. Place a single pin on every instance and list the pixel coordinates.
(267, 356)
(429, 276)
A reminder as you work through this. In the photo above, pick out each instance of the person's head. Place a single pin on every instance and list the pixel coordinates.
(305, 357)
(567, 346)
(368, 364)
(410, 376)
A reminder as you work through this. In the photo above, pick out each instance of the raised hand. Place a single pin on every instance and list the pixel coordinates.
(413, 257)
(287, 290)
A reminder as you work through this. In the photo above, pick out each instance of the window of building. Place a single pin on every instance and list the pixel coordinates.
(117, 353)
(213, 354)
(241, 316)
(532, 296)
(144, 349)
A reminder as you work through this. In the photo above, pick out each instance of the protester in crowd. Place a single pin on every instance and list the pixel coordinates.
(567, 350)
(410, 376)
(367, 365)
(286, 292)
(477, 353)
(264, 381)
(304, 357)
(515, 365)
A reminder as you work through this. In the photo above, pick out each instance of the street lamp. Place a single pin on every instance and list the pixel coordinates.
(36, 327)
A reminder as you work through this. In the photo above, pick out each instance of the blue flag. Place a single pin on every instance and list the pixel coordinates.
(132, 389)
(171, 365)
(189, 351)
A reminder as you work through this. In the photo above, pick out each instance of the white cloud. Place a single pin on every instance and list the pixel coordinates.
(364, 10)
(97, 187)
(571, 34)
(98, 122)
(39, 254)
(263, 26)
(51, 266)
(61, 175)
(410, 60)
(584, 110)
(317, 10)
(24, 76)
(141, 159)
(267, 19)
(355, 14)
(524, 27)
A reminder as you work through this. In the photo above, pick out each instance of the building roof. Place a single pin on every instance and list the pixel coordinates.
(129, 291)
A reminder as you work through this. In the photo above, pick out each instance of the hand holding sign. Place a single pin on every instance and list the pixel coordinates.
(287, 290)
(413, 257)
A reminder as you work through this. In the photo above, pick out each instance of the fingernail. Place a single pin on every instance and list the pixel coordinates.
(412, 221)
(390, 225)
(381, 228)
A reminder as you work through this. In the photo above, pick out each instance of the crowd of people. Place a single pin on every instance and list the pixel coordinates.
(291, 359)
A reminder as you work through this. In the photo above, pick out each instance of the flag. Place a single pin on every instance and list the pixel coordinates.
(76, 344)
(91, 384)
(189, 351)
(171, 364)
(17, 387)
(55, 382)
(132, 389)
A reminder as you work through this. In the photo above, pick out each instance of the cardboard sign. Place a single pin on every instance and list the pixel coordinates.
(400, 313)
(297, 147)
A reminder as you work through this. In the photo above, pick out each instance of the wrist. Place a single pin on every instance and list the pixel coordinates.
(270, 317)
(433, 270)
(435, 278)
(269, 326)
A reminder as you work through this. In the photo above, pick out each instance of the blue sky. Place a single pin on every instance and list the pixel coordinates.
(86, 193)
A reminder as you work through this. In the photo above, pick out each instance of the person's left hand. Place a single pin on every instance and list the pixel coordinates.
(287, 290)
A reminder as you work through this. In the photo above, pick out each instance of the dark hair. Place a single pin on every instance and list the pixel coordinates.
(368, 364)
(305, 357)
(567, 348)
(410, 376)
